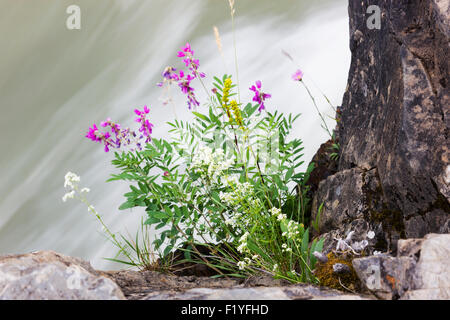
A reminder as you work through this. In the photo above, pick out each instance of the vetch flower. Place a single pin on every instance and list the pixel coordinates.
(121, 136)
(259, 96)
(96, 135)
(298, 75)
(185, 50)
(184, 82)
(193, 64)
(169, 75)
(146, 126)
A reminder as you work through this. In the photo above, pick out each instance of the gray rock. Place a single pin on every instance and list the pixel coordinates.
(47, 275)
(420, 270)
(297, 292)
(320, 257)
(385, 276)
(340, 268)
(393, 127)
(349, 211)
(431, 277)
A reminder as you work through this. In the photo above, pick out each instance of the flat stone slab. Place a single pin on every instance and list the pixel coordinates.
(47, 275)
(297, 292)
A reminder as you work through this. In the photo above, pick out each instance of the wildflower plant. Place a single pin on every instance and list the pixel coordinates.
(226, 180)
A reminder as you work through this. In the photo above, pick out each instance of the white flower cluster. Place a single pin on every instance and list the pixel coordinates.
(243, 248)
(247, 262)
(71, 181)
(209, 163)
(277, 212)
(238, 191)
(285, 248)
(292, 230)
(243, 243)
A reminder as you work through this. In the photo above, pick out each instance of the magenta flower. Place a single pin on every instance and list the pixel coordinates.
(96, 135)
(260, 96)
(122, 137)
(146, 126)
(186, 50)
(298, 75)
(184, 80)
(189, 61)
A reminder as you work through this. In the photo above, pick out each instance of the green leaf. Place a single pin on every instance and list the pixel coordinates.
(127, 205)
(305, 242)
(201, 116)
(157, 214)
(289, 174)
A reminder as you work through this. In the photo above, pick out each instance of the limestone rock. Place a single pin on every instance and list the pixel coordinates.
(394, 171)
(297, 292)
(420, 270)
(47, 275)
(431, 277)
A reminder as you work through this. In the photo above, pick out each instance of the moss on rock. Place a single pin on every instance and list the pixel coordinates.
(344, 281)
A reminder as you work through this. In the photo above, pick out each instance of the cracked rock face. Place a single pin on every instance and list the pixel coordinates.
(394, 171)
(419, 272)
(47, 275)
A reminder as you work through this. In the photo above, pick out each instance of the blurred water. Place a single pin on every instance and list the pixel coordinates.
(54, 83)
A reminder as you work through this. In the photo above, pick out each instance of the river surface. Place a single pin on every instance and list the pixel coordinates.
(55, 82)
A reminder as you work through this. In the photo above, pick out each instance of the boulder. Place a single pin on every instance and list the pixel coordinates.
(393, 175)
(420, 271)
(47, 275)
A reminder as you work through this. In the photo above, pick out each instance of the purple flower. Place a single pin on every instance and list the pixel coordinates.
(122, 137)
(193, 64)
(185, 51)
(96, 135)
(259, 96)
(184, 80)
(169, 75)
(146, 126)
(298, 75)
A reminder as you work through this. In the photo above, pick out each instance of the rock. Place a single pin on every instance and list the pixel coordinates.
(341, 268)
(431, 277)
(324, 165)
(137, 284)
(394, 172)
(350, 204)
(297, 292)
(383, 275)
(320, 257)
(150, 285)
(420, 270)
(47, 275)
